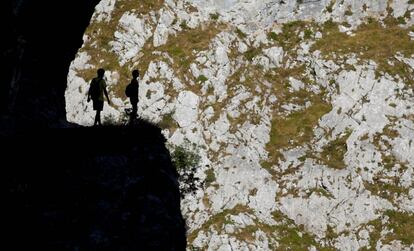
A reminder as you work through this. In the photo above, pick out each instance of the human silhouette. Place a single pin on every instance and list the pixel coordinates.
(96, 92)
(131, 91)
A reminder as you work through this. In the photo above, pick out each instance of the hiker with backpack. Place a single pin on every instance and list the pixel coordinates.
(96, 92)
(131, 92)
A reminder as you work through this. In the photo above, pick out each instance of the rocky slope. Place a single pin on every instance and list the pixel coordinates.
(301, 111)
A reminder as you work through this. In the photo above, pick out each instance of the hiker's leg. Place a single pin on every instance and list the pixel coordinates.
(96, 117)
(134, 109)
(98, 114)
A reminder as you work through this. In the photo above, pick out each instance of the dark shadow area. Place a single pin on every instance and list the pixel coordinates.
(69, 187)
(106, 188)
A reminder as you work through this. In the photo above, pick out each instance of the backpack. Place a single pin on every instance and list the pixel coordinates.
(94, 89)
(128, 91)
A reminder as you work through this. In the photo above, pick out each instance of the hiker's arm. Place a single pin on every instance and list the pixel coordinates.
(106, 95)
(89, 94)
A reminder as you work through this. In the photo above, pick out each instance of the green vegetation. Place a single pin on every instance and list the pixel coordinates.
(308, 34)
(240, 33)
(210, 177)
(202, 79)
(214, 16)
(272, 36)
(184, 159)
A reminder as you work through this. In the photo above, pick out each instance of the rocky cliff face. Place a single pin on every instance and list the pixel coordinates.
(301, 111)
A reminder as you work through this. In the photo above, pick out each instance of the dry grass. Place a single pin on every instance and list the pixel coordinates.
(333, 153)
(371, 41)
(402, 225)
(218, 221)
(182, 48)
(297, 128)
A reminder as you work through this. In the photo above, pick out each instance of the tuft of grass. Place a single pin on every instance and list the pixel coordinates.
(329, 8)
(214, 16)
(348, 12)
(272, 36)
(308, 34)
(240, 33)
(184, 25)
(210, 177)
(167, 122)
(251, 53)
(401, 20)
(202, 79)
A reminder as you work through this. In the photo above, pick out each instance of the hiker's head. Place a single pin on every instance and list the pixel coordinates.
(135, 73)
(101, 72)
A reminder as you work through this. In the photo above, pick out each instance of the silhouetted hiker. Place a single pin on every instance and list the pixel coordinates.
(131, 91)
(96, 92)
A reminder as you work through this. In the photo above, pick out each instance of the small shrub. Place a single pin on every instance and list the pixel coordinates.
(348, 13)
(184, 25)
(202, 79)
(186, 162)
(214, 16)
(401, 20)
(210, 177)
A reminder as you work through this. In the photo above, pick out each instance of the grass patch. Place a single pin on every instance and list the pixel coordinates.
(252, 53)
(402, 225)
(333, 153)
(371, 41)
(210, 177)
(182, 48)
(272, 36)
(297, 128)
(218, 221)
(167, 122)
(240, 33)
